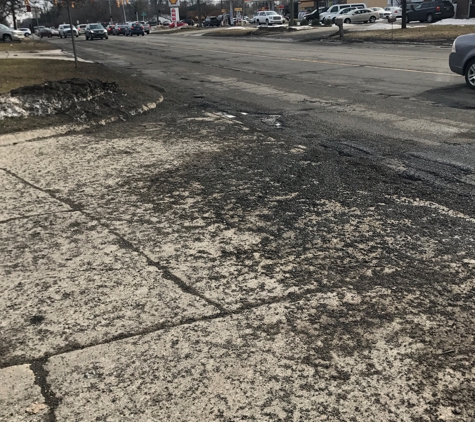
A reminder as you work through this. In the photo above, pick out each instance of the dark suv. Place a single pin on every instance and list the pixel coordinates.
(211, 21)
(430, 11)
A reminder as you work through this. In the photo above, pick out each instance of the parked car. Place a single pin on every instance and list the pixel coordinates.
(95, 30)
(378, 10)
(332, 16)
(270, 18)
(190, 22)
(462, 58)
(54, 32)
(8, 34)
(211, 21)
(65, 30)
(119, 29)
(110, 29)
(361, 16)
(315, 14)
(26, 31)
(336, 8)
(395, 12)
(44, 32)
(82, 29)
(430, 11)
(253, 19)
(146, 27)
(179, 24)
(164, 21)
(134, 28)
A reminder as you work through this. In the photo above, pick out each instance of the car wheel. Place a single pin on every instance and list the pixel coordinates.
(372, 19)
(267, 21)
(333, 20)
(7, 38)
(347, 20)
(107, 38)
(142, 34)
(470, 74)
(430, 18)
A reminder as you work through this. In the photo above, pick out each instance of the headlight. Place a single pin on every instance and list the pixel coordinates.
(454, 50)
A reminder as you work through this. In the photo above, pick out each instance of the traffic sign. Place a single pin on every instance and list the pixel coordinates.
(238, 9)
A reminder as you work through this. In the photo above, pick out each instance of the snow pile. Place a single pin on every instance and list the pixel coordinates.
(55, 97)
(455, 22)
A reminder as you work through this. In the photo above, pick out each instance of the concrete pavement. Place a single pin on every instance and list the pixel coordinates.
(186, 267)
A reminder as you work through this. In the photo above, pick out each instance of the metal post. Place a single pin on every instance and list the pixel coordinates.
(110, 11)
(37, 23)
(123, 9)
(291, 20)
(404, 16)
(72, 35)
(199, 14)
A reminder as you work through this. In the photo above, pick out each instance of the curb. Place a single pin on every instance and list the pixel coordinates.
(38, 134)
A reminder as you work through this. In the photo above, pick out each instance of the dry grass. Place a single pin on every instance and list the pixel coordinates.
(22, 72)
(27, 44)
(428, 33)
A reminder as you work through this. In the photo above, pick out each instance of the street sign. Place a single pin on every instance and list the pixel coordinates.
(144, 14)
(238, 9)
(224, 10)
(281, 7)
(174, 3)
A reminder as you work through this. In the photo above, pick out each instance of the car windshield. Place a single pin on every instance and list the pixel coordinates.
(95, 26)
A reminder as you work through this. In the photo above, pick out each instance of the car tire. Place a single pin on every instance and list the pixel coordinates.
(470, 74)
(347, 20)
(142, 34)
(430, 18)
(7, 38)
(372, 19)
(107, 38)
(267, 22)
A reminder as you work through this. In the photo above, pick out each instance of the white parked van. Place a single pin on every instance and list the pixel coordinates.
(332, 10)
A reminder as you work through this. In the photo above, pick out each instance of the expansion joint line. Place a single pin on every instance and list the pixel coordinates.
(165, 271)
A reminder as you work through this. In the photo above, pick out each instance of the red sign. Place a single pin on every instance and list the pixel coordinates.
(281, 7)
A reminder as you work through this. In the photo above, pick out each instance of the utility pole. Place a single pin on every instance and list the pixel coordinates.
(72, 35)
(123, 9)
(291, 20)
(110, 12)
(199, 14)
(404, 17)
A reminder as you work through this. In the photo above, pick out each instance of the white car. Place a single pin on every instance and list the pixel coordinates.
(379, 10)
(8, 34)
(26, 31)
(65, 30)
(330, 17)
(269, 17)
(392, 11)
(361, 16)
(82, 29)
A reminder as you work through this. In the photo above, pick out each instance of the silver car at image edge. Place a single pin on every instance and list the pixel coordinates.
(462, 58)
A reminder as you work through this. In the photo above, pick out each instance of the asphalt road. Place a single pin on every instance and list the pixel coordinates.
(399, 104)
(288, 236)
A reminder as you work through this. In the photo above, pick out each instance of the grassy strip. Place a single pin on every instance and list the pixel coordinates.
(23, 72)
(428, 33)
(27, 44)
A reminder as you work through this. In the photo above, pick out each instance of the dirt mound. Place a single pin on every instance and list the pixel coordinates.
(77, 97)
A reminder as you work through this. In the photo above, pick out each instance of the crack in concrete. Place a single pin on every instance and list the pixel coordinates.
(41, 375)
(25, 217)
(288, 298)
